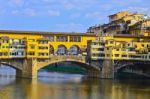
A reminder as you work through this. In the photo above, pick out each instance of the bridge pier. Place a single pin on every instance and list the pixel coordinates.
(107, 69)
(93, 74)
(29, 69)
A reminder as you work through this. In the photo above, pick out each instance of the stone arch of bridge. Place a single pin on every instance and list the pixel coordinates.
(122, 66)
(92, 71)
(16, 67)
(133, 67)
(12, 66)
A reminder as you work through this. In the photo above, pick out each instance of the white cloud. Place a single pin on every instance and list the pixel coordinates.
(24, 12)
(75, 15)
(2, 11)
(67, 4)
(29, 12)
(106, 6)
(49, 0)
(15, 12)
(77, 4)
(124, 2)
(16, 2)
(93, 15)
(143, 10)
(53, 13)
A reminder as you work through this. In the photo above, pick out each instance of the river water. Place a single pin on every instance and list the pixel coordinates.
(70, 86)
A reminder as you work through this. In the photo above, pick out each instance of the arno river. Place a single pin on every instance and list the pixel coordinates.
(70, 86)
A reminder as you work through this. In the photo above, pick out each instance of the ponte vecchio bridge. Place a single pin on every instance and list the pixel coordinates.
(28, 51)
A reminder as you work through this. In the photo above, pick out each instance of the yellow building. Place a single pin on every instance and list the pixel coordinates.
(119, 47)
(4, 47)
(95, 50)
(118, 15)
(28, 44)
(121, 24)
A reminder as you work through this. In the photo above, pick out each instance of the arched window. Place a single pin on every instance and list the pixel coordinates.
(74, 50)
(62, 50)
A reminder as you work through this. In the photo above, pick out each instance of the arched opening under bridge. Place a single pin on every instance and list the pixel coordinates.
(70, 67)
(133, 69)
(9, 70)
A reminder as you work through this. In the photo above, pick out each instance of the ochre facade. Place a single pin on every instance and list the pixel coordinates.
(21, 44)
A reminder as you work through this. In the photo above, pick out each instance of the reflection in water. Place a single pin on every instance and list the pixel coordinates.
(68, 86)
(49, 77)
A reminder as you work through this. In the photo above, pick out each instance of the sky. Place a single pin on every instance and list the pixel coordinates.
(63, 15)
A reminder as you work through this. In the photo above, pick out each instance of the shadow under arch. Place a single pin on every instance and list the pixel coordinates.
(89, 68)
(140, 69)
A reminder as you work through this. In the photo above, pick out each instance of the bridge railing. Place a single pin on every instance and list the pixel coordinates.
(67, 57)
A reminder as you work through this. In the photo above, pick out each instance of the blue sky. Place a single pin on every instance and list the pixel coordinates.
(62, 15)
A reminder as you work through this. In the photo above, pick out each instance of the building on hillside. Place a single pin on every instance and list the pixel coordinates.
(141, 28)
(118, 16)
(96, 28)
(119, 23)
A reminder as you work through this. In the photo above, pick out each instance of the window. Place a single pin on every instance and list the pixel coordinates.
(61, 39)
(51, 38)
(75, 39)
(102, 55)
(43, 54)
(124, 55)
(31, 53)
(5, 53)
(100, 49)
(117, 49)
(123, 49)
(32, 46)
(116, 55)
(108, 55)
(94, 43)
(1, 54)
(43, 47)
(111, 42)
(43, 42)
